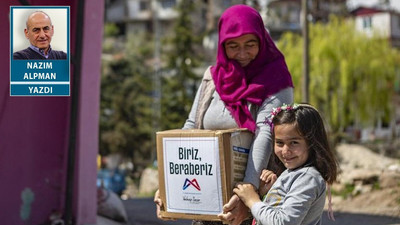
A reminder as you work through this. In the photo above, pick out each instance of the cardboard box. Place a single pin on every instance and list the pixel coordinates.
(198, 170)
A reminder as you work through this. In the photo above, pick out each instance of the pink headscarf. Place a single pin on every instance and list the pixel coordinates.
(267, 74)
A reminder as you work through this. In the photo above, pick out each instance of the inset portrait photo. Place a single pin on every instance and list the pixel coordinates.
(39, 33)
(39, 51)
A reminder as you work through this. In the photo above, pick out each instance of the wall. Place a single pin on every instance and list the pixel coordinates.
(35, 131)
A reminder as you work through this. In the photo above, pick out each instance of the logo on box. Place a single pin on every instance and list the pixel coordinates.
(193, 182)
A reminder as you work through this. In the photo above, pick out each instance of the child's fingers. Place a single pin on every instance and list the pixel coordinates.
(274, 178)
(265, 174)
(271, 178)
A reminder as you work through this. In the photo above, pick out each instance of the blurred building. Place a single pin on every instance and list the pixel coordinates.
(133, 16)
(384, 22)
(158, 17)
(285, 15)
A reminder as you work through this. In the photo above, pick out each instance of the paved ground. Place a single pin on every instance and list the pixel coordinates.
(141, 211)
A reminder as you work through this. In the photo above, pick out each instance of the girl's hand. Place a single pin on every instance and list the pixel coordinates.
(267, 179)
(234, 212)
(247, 194)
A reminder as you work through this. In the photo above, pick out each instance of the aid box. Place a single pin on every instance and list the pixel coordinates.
(198, 170)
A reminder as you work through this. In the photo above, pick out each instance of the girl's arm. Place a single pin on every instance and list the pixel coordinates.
(303, 203)
(249, 195)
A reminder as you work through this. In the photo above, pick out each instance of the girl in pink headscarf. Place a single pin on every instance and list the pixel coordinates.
(248, 80)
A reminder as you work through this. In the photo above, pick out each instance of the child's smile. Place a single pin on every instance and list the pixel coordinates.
(290, 147)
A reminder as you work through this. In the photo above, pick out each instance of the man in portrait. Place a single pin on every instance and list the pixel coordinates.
(39, 31)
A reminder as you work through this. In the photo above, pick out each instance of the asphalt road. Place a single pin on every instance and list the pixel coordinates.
(141, 211)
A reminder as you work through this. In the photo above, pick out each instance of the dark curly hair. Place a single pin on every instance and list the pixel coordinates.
(310, 126)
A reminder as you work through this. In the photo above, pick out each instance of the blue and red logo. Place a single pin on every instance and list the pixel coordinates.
(193, 182)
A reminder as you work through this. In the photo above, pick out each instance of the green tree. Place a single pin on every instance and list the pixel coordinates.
(126, 97)
(351, 75)
(179, 81)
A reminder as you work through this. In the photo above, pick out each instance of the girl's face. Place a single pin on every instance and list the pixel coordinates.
(243, 49)
(290, 147)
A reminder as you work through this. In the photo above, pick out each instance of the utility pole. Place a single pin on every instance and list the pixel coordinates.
(156, 75)
(210, 15)
(306, 79)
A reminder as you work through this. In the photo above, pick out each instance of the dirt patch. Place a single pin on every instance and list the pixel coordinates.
(368, 183)
(377, 202)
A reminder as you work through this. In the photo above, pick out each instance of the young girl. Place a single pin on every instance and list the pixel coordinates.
(297, 196)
